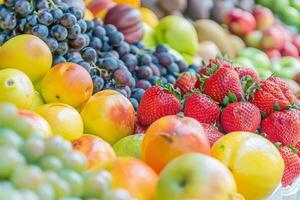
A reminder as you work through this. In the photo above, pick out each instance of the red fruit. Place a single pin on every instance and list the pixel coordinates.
(240, 22)
(292, 165)
(221, 83)
(296, 42)
(213, 63)
(283, 127)
(284, 88)
(156, 103)
(186, 82)
(273, 53)
(268, 97)
(273, 38)
(243, 71)
(212, 133)
(264, 17)
(241, 116)
(289, 49)
(139, 129)
(298, 148)
(201, 108)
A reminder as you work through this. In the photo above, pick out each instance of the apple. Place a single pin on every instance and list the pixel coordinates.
(296, 41)
(264, 18)
(253, 38)
(286, 67)
(290, 16)
(195, 176)
(63, 119)
(148, 38)
(99, 8)
(240, 22)
(37, 100)
(208, 50)
(273, 38)
(289, 50)
(264, 73)
(273, 54)
(295, 4)
(266, 3)
(129, 146)
(243, 62)
(258, 57)
(278, 5)
(109, 115)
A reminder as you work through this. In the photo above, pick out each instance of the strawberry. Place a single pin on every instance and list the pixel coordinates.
(221, 83)
(298, 147)
(157, 102)
(139, 129)
(241, 116)
(186, 82)
(283, 127)
(201, 108)
(267, 96)
(243, 72)
(284, 88)
(292, 165)
(219, 62)
(212, 133)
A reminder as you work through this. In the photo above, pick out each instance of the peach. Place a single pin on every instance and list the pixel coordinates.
(264, 18)
(109, 115)
(132, 175)
(94, 148)
(273, 38)
(99, 8)
(67, 83)
(170, 137)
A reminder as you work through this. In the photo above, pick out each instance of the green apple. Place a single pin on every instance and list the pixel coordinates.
(266, 3)
(129, 146)
(148, 38)
(195, 176)
(258, 57)
(264, 73)
(286, 67)
(278, 5)
(243, 62)
(253, 38)
(290, 16)
(295, 4)
(178, 33)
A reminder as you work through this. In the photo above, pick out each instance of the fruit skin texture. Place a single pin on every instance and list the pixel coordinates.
(94, 148)
(241, 116)
(130, 145)
(240, 22)
(284, 88)
(267, 96)
(292, 165)
(254, 162)
(16, 88)
(132, 175)
(156, 103)
(195, 176)
(174, 136)
(186, 82)
(201, 108)
(212, 133)
(109, 115)
(298, 147)
(264, 18)
(283, 127)
(63, 119)
(223, 81)
(245, 71)
(32, 56)
(67, 83)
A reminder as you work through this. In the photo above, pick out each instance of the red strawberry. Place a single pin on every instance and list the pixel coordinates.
(201, 108)
(283, 127)
(212, 133)
(298, 147)
(156, 103)
(243, 71)
(138, 129)
(292, 165)
(284, 88)
(241, 116)
(221, 83)
(186, 82)
(267, 96)
(216, 62)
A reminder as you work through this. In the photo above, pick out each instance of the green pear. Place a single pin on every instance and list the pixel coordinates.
(148, 38)
(178, 33)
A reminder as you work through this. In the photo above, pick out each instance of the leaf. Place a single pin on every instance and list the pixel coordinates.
(226, 101)
(295, 150)
(203, 63)
(276, 107)
(277, 144)
(231, 96)
(210, 71)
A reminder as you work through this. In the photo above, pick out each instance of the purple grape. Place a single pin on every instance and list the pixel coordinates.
(122, 76)
(165, 59)
(144, 72)
(115, 38)
(68, 20)
(45, 18)
(98, 83)
(155, 69)
(153, 79)
(134, 103)
(74, 31)
(79, 42)
(137, 93)
(89, 54)
(173, 68)
(144, 84)
(161, 49)
(123, 49)
(130, 61)
(182, 65)
(171, 79)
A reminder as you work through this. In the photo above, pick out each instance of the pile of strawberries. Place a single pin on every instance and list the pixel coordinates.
(225, 98)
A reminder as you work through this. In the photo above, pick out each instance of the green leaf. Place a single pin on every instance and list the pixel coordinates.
(276, 107)
(277, 144)
(231, 96)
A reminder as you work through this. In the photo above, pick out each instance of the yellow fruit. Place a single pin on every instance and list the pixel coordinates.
(16, 88)
(149, 17)
(63, 119)
(88, 15)
(27, 53)
(254, 162)
(37, 100)
(133, 3)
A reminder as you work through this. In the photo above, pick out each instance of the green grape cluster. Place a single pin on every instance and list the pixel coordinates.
(36, 168)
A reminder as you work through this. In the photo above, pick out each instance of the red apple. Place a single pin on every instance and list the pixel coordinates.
(264, 18)
(289, 49)
(296, 42)
(97, 7)
(240, 22)
(273, 38)
(273, 53)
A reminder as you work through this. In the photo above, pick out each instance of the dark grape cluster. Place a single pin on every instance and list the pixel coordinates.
(100, 49)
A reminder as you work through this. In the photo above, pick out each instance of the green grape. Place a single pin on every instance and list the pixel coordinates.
(57, 146)
(28, 195)
(33, 149)
(46, 192)
(75, 181)
(60, 186)
(118, 194)
(27, 177)
(51, 163)
(7, 113)
(10, 138)
(23, 126)
(95, 185)
(10, 194)
(75, 160)
(10, 158)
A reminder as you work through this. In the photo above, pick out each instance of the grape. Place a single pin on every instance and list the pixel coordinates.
(161, 49)
(75, 160)
(163, 71)
(68, 20)
(171, 79)
(58, 59)
(57, 14)
(23, 126)
(41, 4)
(60, 186)
(10, 158)
(2, 38)
(46, 192)
(139, 44)
(195, 68)
(62, 48)
(144, 72)
(94, 72)
(76, 12)
(32, 20)
(21, 24)
(52, 43)
(109, 29)
(96, 43)
(51, 163)
(130, 61)
(182, 66)
(59, 32)
(144, 84)
(137, 93)
(28, 195)
(122, 91)
(57, 146)
(45, 18)
(9, 3)
(40, 31)
(10, 138)
(155, 69)
(89, 54)
(89, 25)
(173, 68)
(6, 185)
(27, 177)
(134, 49)
(82, 25)
(23, 8)
(144, 59)
(115, 38)
(134, 103)
(75, 181)
(110, 64)
(98, 83)
(74, 31)
(33, 149)
(79, 42)
(10, 194)
(165, 59)
(122, 76)
(153, 79)
(85, 65)
(8, 22)
(95, 185)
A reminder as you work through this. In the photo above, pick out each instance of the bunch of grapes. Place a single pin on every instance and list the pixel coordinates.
(35, 168)
(100, 49)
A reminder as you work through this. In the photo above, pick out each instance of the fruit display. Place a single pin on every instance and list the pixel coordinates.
(149, 100)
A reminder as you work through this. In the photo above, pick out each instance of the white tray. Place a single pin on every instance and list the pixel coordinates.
(291, 192)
